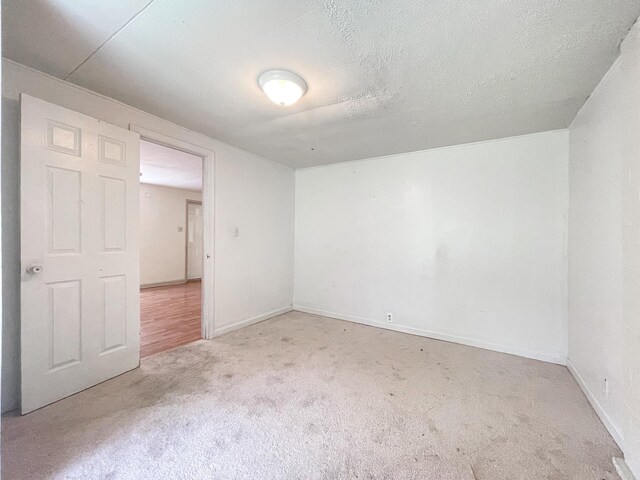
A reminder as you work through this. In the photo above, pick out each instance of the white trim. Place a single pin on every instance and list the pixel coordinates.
(166, 283)
(623, 469)
(600, 411)
(208, 218)
(545, 357)
(250, 321)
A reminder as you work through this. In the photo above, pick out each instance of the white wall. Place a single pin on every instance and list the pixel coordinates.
(253, 272)
(162, 244)
(1, 234)
(465, 243)
(604, 249)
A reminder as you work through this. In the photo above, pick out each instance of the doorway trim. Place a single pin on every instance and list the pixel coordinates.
(208, 217)
(186, 237)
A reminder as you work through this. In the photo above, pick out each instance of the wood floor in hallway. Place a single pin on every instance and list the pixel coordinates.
(169, 317)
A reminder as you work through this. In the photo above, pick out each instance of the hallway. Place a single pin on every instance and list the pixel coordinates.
(169, 317)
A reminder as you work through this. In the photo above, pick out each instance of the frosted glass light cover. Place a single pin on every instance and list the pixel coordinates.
(282, 87)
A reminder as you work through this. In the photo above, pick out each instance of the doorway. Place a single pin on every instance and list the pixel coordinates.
(208, 212)
(171, 247)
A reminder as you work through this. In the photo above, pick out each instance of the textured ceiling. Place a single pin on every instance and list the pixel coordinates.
(384, 76)
(160, 165)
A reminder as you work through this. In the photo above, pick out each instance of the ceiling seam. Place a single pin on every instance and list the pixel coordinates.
(279, 27)
(109, 39)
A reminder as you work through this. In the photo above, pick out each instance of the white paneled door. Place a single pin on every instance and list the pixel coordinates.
(80, 320)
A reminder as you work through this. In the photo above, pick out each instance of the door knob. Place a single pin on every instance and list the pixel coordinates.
(34, 269)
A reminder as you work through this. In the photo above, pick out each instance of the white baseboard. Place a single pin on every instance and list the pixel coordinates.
(602, 414)
(164, 284)
(557, 359)
(250, 321)
(623, 469)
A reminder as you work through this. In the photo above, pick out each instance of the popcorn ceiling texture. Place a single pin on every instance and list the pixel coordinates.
(306, 397)
(385, 76)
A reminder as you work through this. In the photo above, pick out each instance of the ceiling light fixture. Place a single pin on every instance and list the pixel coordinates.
(282, 87)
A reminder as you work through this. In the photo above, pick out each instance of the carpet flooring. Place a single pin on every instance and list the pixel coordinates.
(306, 397)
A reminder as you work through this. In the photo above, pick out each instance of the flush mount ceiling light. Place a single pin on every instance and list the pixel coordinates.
(282, 87)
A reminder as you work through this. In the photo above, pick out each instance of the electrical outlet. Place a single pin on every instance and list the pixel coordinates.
(389, 317)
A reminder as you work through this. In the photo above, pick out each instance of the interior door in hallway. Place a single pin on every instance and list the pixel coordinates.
(80, 312)
(194, 240)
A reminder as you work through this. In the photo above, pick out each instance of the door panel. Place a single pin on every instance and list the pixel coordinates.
(63, 205)
(80, 320)
(114, 313)
(114, 214)
(65, 321)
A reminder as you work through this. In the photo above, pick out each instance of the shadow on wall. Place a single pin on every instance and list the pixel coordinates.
(10, 254)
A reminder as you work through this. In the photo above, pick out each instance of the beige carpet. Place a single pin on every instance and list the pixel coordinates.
(305, 397)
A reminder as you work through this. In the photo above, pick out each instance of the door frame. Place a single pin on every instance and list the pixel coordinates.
(208, 218)
(186, 237)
